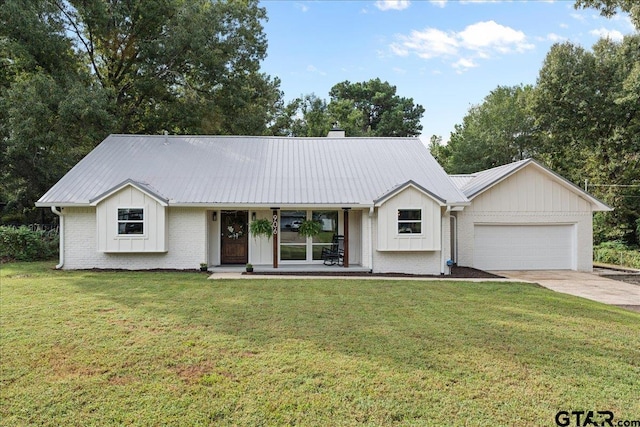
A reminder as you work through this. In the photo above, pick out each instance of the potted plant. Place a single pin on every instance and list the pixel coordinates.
(310, 228)
(204, 266)
(249, 268)
(261, 227)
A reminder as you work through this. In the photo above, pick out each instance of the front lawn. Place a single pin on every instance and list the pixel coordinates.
(113, 348)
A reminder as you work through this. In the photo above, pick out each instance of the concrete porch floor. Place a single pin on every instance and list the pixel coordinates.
(291, 268)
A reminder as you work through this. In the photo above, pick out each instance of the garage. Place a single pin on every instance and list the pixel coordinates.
(524, 247)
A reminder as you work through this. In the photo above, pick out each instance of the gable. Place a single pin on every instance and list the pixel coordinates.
(409, 198)
(129, 185)
(153, 235)
(416, 190)
(530, 189)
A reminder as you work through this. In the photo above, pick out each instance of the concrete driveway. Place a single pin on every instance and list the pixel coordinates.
(585, 285)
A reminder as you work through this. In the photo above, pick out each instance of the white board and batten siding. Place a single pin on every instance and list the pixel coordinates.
(528, 221)
(389, 239)
(155, 235)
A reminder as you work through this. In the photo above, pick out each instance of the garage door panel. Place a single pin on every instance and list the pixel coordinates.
(524, 247)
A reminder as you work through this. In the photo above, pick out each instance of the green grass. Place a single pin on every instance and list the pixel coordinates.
(113, 348)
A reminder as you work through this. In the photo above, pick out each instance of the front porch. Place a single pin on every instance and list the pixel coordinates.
(231, 245)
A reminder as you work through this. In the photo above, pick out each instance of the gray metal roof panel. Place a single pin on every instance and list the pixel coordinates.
(461, 180)
(255, 170)
(484, 179)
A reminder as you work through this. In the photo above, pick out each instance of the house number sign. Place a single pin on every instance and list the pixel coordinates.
(274, 225)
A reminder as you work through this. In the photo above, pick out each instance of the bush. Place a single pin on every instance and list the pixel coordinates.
(24, 244)
(616, 253)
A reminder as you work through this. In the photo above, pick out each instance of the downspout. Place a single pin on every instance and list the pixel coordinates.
(371, 238)
(61, 234)
(442, 257)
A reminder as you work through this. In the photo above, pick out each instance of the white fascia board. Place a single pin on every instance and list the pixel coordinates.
(381, 201)
(63, 205)
(458, 207)
(130, 183)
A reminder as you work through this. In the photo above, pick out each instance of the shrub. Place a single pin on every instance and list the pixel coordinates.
(617, 253)
(24, 244)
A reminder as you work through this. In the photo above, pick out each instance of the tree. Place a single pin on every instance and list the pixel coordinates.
(587, 109)
(441, 152)
(49, 109)
(159, 59)
(74, 71)
(361, 109)
(496, 132)
(609, 8)
(380, 111)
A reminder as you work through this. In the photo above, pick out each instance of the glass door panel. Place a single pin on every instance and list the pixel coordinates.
(329, 222)
(293, 246)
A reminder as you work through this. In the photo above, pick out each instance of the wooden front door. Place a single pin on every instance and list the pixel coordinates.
(234, 239)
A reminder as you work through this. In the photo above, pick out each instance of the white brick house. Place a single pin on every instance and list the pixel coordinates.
(147, 202)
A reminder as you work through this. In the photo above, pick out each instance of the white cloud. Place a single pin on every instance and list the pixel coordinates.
(303, 7)
(464, 63)
(492, 36)
(398, 70)
(427, 44)
(614, 35)
(482, 40)
(554, 37)
(439, 3)
(578, 17)
(392, 4)
(313, 69)
(398, 49)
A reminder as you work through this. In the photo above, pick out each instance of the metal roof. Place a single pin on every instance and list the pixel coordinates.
(484, 179)
(461, 180)
(245, 170)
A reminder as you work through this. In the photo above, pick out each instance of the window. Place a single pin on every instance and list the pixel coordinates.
(294, 247)
(409, 221)
(130, 221)
(329, 221)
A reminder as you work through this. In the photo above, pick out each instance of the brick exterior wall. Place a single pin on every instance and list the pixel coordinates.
(414, 262)
(187, 243)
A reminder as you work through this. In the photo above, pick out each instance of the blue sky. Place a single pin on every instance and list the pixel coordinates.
(446, 55)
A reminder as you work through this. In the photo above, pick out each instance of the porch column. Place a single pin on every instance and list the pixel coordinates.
(275, 228)
(345, 216)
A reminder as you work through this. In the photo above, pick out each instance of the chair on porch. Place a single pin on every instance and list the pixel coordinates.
(335, 254)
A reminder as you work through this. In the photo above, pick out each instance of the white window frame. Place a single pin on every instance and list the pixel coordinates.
(409, 221)
(143, 221)
(309, 244)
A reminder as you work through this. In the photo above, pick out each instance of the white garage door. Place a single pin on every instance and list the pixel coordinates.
(524, 247)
